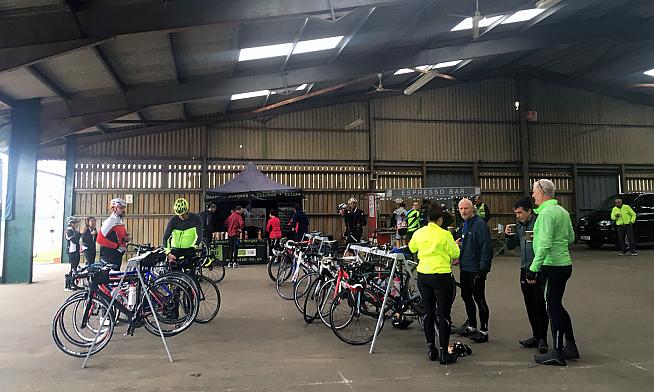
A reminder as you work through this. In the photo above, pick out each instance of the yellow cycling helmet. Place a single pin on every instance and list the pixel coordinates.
(181, 206)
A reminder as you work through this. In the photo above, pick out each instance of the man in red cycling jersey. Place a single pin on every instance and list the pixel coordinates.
(113, 237)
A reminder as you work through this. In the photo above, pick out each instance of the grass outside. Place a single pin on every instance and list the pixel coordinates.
(47, 256)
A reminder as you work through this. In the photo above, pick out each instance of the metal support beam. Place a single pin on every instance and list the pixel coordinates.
(14, 58)
(372, 150)
(69, 187)
(138, 17)
(523, 99)
(21, 193)
(575, 182)
(7, 100)
(49, 83)
(347, 67)
(298, 36)
(355, 30)
(623, 179)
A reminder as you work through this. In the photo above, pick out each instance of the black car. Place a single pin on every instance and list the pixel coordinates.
(597, 228)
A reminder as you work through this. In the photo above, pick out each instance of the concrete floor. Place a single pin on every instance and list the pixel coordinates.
(260, 343)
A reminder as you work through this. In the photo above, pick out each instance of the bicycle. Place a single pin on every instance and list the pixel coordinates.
(77, 322)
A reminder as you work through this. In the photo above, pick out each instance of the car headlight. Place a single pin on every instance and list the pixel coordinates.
(605, 223)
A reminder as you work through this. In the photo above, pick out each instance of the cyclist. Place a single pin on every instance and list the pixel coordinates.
(72, 249)
(412, 220)
(354, 222)
(113, 237)
(182, 234)
(436, 249)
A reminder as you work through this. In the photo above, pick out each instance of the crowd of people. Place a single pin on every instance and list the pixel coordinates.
(183, 233)
(544, 235)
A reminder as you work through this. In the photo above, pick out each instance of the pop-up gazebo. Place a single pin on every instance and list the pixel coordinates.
(252, 185)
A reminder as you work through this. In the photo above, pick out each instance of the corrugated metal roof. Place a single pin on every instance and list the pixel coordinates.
(79, 71)
(20, 84)
(206, 106)
(205, 50)
(164, 112)
(131, 116)
(142, 58)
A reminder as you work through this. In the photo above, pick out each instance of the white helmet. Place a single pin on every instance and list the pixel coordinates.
(118, 202)
(352, 200)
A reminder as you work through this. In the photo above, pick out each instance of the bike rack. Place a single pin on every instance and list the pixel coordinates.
(396, 257)
(132, 264)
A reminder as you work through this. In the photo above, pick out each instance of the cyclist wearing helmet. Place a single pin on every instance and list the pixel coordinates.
(354, 222)
(113, 237)
(72, 249)
(342, 211)
(183, 232)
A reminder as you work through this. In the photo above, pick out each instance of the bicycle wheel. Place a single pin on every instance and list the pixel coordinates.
(273, 268)
(73, 333)
(174, 306)
(301, 288)
(326, 294)
(287, 277)
(214, 271)
(209, 300)
(316, 301)
(353, 316)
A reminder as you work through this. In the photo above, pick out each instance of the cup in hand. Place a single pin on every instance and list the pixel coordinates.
(529, 236)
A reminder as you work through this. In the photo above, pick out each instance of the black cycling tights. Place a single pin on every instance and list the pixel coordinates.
(473, 291)
(555, 279)
(437, 292)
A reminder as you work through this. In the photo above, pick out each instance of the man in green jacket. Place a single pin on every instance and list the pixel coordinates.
(412, 221)
(553, 234)
(624, 218)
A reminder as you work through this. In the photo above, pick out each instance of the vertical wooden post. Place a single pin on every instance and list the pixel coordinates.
(69, 187)
(623, 179)
(523, 97)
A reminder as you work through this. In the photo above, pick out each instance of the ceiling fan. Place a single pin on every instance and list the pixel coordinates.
(476, 20)
(380, 87)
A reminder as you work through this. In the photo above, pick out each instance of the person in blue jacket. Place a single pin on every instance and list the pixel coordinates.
(475, 264)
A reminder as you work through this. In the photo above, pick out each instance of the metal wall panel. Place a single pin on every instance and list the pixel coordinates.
(332, 117)
(594, 189)
(53, 152)
(489, 100)
(573, 144)
(287, 144)
(449, 179)
(184, 143)
(555, 103)
(453, 142)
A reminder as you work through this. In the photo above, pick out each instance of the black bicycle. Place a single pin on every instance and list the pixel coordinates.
(87, 314)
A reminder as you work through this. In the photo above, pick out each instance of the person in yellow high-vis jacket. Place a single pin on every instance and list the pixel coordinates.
(624, 218)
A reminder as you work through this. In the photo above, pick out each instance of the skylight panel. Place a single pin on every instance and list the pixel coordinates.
(301, 87)
(315, 45)
(264, 52)
(403, 71)
(466, 23)
(252, 94)
(649, 73)
(524, 15)
(444, 64)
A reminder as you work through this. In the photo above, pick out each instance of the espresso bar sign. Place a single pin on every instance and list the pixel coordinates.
(442, 192)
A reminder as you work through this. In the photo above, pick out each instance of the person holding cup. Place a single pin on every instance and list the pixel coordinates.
(516, 234)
